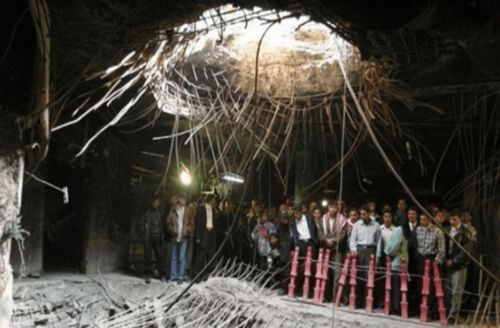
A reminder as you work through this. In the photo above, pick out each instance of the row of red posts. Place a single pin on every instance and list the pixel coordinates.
(349, 270)
(438, 286)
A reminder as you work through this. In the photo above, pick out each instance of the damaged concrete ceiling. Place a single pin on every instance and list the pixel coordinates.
(423, 37)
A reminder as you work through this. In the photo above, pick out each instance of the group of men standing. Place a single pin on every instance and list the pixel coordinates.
(176, 236)
(403, 234)
(192, 240)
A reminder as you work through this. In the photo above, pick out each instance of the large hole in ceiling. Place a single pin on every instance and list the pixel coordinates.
(281, 54)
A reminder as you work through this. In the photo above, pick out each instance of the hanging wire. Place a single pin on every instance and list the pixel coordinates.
(341, 190)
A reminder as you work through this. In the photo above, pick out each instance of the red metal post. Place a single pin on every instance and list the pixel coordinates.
(370, 284)
(317, 282)
(388, 287)
(343, 279)
(293, 272)
(404, 288)
(324, 275)
(352, 283)
(307, 273)
(425, 292)
(438, 284)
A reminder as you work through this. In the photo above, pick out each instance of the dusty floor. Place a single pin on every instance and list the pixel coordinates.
(117, 300)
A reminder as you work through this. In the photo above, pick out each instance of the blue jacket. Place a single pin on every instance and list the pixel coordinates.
(312, 230)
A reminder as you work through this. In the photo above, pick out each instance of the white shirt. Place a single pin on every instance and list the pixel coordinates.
(303, 229)
(364, 234)
(386, 233)
(180, 222)
(412, 225)
(210, 217)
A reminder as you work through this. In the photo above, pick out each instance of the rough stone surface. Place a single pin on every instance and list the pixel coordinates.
(9, 171)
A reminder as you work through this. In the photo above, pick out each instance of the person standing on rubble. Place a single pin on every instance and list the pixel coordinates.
(180, 228)
(153, 227)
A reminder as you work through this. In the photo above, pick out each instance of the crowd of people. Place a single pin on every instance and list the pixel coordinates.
(184, 237)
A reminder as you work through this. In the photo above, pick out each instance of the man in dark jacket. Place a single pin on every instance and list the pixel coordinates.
(410, 233)
(456, 263)
(153, 227)
(304, 231)
(304, 234)
(180, 228)
(204, 234)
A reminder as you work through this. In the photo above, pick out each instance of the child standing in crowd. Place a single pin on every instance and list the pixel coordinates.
(261, 235)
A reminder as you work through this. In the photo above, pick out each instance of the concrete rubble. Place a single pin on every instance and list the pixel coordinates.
(117, 300)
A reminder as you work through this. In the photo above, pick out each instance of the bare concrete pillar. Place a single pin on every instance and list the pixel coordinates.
(33, 215)
(10, 180)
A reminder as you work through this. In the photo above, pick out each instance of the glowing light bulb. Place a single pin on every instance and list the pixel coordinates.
(185, 178)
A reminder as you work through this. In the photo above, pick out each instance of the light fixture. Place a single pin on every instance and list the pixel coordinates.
(232, 177)
(324, 203)
(185, 177)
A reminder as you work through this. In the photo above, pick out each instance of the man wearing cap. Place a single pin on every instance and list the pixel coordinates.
(180, 227)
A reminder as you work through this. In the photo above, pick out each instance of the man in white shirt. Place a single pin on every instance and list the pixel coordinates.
(363, 242)
(385, 233)
(304, 235)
